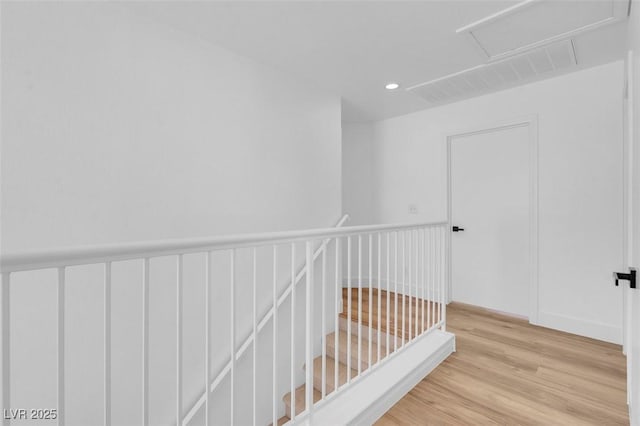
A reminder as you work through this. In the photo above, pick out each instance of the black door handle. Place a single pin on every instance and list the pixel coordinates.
(631, 277)
(457, 229)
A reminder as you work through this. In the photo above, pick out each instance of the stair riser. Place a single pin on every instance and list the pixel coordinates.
(365, 331)
(287, 409)
(300, 401)
(383, 306)
(364, 360)
(373, 318)
(374, 330)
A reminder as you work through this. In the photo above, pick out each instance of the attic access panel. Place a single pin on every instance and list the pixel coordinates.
(533, 23)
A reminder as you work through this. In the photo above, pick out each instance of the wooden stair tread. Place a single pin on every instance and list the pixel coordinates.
(383, 323)
(382, 294)
(413, 302)
(300, 400)
(383, 315)
(366, 316)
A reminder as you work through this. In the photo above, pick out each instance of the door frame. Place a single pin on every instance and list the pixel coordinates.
(531, 121)
(628, 226)
(627, 170)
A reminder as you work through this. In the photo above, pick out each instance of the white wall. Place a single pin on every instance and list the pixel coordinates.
(116, 128)
(357, 172)
(580, 184)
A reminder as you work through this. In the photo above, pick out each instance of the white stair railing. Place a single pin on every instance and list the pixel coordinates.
(258, 326)
(401, 300)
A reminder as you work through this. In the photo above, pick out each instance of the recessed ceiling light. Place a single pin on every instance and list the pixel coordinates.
(392, 86)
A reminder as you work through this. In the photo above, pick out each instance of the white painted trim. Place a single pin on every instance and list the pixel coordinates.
(368, 398)
(532, 122)
(627, 185)
(627, 305)
(580, 326)
(448, 284)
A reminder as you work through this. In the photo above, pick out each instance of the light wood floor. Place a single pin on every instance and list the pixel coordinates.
(508, 372)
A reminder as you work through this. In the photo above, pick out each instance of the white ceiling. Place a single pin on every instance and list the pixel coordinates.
(354, 48)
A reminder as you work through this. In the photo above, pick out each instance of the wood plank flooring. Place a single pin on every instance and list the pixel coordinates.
(508, 372)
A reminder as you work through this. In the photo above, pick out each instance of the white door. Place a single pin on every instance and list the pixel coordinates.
(490, 193)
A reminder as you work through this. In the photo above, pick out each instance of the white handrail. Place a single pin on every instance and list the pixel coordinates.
(431, 285)
(263, 322)
(33, 260)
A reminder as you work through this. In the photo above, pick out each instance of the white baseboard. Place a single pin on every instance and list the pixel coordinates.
(372, 395)
(580, 326)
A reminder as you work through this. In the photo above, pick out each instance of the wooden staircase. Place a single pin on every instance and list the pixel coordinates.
(370, 321)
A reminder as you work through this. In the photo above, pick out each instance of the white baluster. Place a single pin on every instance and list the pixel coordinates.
(107, 344)
(349, 309)
(370, 298)
(443, 248)
(323, 325)
(432, 262)
(404, 285)
(359, 304)
(255, 334)
(207, 338)
(441, 274)
(6, 343)
(293, 333)
(427, 258)
(145, 341)
(388, 291)
(309, 329)
(379, 293)
(179, 285)
(416, 279)
(61, 343)
(336, 355)
(232, 323)
(423, 285)
(409, 266)
(274, 360)
(437, 272)
(395, 299)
